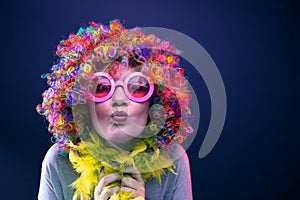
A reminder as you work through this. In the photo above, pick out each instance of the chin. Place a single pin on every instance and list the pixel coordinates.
(119, 137)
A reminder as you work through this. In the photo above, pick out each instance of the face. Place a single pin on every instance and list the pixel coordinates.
(120, 120)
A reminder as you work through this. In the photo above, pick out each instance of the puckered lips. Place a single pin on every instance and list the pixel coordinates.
(119, 116)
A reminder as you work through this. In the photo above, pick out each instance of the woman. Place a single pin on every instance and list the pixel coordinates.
(118, 110)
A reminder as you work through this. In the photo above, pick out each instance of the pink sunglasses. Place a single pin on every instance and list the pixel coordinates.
(137, 87)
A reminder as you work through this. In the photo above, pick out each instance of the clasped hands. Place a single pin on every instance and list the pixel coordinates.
(133, 183)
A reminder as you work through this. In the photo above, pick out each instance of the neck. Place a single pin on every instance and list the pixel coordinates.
(127, 146)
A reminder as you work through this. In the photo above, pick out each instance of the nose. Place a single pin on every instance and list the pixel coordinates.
(119, 98)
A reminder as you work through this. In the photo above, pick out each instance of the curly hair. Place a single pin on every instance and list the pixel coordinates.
(97, 47)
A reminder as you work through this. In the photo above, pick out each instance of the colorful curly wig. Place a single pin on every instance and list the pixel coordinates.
(97, 47)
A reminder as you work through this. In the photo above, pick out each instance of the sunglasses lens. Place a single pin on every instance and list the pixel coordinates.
(138, 87)
(103, 87)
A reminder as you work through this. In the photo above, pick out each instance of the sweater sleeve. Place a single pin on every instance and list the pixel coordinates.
(57, 175)
(46, 190)
(183, 185)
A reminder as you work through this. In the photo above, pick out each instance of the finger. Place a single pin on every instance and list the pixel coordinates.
(107, 192)
(130, 182)
(132, 170)
(134, 193)
(135, 173)
(137, 176)
(106, 180)
(127, 189)
(101, 174)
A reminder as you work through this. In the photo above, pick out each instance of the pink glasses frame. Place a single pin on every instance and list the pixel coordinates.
(124, 83)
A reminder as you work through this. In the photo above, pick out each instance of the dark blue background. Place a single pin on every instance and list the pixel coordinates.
(254, 44)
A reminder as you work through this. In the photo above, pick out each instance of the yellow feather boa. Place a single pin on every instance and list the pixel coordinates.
(89, 158)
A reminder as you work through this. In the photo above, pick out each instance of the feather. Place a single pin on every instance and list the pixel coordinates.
(138, 149)
(90, 157)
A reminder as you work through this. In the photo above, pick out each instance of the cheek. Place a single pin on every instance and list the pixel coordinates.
(103, 110)
(140, 112)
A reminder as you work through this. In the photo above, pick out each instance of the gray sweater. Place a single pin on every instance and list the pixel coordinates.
(58, 173)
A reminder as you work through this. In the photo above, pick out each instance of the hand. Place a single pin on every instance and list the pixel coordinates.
(134, 183)
(101, 191)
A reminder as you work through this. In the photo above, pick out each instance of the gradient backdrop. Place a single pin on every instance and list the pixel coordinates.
(254, 44)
